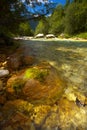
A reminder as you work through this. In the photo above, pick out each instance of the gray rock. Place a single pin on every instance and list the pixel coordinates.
(4, 73)
(40, 35)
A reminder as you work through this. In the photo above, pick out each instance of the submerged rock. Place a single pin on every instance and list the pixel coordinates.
(28, 60)
(14, 115)
(39, 100)
(19, 59)
(39, 84)
(66, 115)
(14, 61)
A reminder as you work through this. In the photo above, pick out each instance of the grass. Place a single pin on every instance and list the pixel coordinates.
(81, 35)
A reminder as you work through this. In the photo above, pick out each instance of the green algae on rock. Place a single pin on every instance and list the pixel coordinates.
(35, 73)
(39, 84)
(17, 85)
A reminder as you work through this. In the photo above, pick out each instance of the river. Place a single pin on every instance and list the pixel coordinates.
(67, 56)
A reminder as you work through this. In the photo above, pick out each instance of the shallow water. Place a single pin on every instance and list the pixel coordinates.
(68, 57)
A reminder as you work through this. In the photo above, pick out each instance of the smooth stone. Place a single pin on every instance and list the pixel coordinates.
(4, 73)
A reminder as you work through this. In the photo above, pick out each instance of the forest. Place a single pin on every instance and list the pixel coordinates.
(69, 19)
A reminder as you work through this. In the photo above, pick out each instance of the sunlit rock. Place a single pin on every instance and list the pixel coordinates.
(50, 36)
(69, 94)
(72, 114)
(72, 94)
(71, 97)
(66, 67)
(40, 35)
(4, 64)
(39, 114)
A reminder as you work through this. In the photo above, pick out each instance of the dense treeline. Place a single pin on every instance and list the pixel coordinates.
(15, 15)
(13, 19)
(10, 15)
(70, 19)
(10, 19)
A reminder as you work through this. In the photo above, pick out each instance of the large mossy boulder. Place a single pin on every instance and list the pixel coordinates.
(39, 84)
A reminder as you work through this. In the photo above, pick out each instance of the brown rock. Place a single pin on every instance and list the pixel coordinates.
(17, 121)
(14, 117)
(28, 60)
(1, 85)
(2, 99)
(8, 128)
(16, 105)
(10, 91)
(14, 61)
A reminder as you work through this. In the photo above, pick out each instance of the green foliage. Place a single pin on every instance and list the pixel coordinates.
(70, 19)
(10, 15)
(10, 18)
(81, 35)
(24, 29)
(67, 3)
(56, 21)
(76, 18)
(39, 74)
(42, 26)
(52, 24)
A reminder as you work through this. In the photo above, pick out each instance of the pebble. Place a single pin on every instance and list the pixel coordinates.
(4, 72)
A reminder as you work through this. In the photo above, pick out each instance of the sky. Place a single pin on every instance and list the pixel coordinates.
(60, 1)
(41, 9)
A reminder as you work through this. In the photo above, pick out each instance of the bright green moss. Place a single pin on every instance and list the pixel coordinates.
(36, 73)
